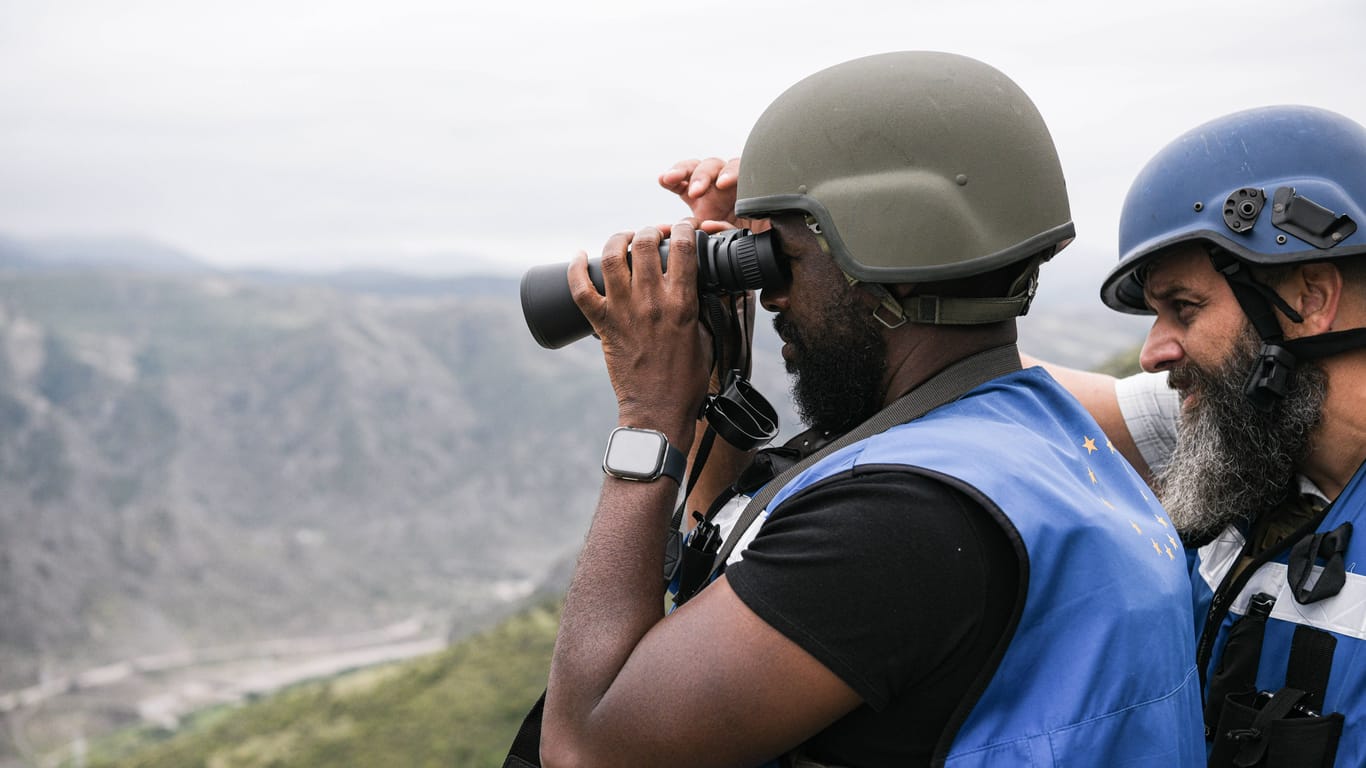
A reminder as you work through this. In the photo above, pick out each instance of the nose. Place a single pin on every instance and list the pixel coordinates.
(774, 299)
(1161, 349)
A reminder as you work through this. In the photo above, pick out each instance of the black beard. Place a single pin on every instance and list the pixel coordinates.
(1233, 462)
(837, 367)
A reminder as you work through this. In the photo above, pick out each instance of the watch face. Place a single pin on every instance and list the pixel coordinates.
(634, 453)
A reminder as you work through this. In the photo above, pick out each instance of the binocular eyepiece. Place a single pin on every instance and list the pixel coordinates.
(728, 262)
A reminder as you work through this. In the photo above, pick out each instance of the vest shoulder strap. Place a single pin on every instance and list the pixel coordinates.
(947, 385)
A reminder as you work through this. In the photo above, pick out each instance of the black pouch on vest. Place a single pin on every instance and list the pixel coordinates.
(1264, 730)
(1237, 670)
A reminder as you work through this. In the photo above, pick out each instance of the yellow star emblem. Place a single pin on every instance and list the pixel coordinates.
(1110, 445)
(1089, 444)
(1093, 476)
(1170, 556)
(1160, 521)
(1156, 547)
(1173, 541)
(1136, 528)
(1107, 504)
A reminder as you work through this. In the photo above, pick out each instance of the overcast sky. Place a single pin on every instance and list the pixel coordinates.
(444, 136)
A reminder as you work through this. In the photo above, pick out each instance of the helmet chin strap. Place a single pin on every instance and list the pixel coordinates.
(1273, 374)
(953, 310)
(945, 310)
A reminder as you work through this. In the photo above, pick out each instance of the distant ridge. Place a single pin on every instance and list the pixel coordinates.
(145, 255)
(122, 252)
(382, 283)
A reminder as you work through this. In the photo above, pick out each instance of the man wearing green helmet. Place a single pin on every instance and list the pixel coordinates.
(968, 574)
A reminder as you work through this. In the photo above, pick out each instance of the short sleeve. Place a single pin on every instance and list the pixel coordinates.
(888, 579)
(1151, 410)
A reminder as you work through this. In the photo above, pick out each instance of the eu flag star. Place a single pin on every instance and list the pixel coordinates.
(1089, 444)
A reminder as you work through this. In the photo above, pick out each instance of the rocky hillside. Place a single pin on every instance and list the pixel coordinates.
(188, 460)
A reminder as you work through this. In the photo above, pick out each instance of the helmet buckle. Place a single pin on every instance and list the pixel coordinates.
(1270, 378)
(898, 316)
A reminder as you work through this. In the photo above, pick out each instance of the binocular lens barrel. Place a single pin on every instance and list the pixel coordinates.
(731, 261)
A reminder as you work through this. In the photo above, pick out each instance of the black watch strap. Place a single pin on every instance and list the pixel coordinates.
(675, 463)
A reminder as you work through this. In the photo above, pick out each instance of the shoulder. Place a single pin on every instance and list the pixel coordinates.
(885, 515)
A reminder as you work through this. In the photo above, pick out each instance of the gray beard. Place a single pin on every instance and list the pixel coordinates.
(1233, 462)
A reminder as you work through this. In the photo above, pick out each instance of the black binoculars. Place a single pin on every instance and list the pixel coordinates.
(728, 262)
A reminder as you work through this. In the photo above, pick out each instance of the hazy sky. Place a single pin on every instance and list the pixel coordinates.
(445, 136)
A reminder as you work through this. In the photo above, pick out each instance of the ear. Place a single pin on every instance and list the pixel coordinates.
(1315, 291)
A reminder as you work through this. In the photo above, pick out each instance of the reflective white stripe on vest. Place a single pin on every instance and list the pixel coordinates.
(1344, 613)
(1218, 557)
(728, 516)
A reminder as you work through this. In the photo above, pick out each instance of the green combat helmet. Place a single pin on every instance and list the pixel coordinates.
(914, 167)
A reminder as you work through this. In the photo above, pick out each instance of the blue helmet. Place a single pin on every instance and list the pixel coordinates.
(1273, 185)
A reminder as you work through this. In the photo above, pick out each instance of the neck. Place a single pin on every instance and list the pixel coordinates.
(1339, 444)
(917, 352)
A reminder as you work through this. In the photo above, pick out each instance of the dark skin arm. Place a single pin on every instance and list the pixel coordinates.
(710, 684)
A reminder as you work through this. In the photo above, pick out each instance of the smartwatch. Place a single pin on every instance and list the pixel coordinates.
(642, 455)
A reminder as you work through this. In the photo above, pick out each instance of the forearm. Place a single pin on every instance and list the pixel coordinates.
(616, 595)
(615, 598)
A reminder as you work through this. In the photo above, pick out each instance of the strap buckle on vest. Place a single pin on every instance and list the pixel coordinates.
(1328, 547)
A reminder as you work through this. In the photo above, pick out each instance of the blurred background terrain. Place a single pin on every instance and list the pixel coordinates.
(323, 515)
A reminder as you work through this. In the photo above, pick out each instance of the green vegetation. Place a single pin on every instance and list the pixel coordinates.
(1122, 363)
(460, 707)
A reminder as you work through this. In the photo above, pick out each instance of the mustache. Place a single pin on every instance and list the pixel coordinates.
(1184, 378)
(786, 330)
(780, 325)
(1188, 376)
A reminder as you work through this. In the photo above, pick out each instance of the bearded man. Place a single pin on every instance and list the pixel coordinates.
(1242, 238)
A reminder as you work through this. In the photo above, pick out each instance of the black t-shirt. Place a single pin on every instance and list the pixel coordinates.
(902, 586)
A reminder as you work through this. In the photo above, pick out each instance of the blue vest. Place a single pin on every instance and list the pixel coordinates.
(1344, 616)
(1101, 667)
